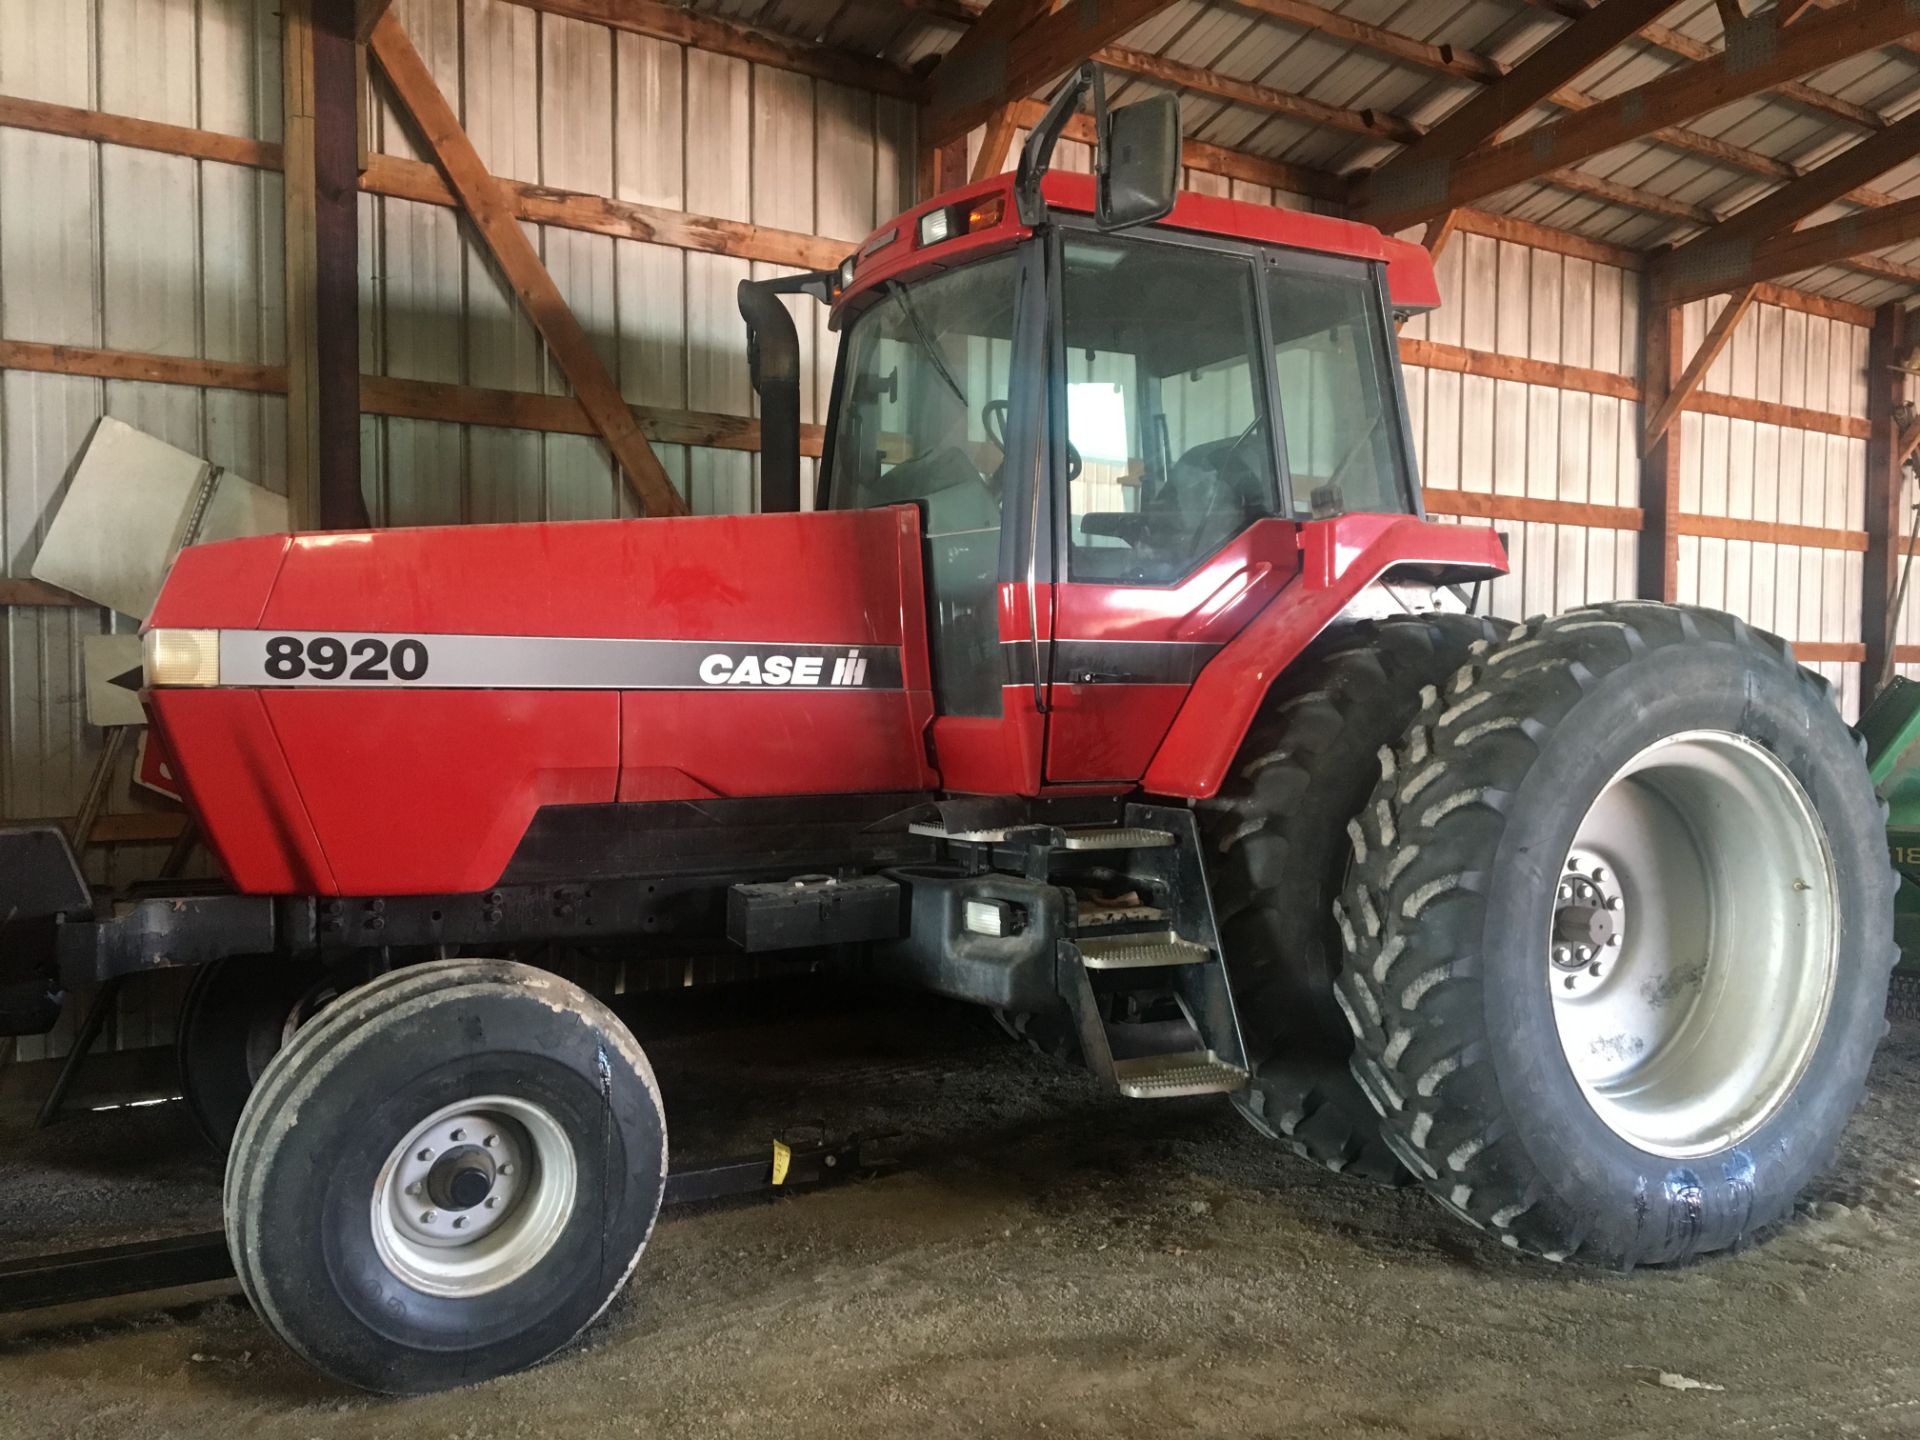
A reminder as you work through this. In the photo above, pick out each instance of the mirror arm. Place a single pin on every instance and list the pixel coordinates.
(1037, 154)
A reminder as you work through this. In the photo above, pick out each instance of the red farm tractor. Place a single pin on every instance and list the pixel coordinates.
(1116, 681)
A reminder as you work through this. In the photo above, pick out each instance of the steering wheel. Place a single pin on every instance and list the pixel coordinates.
(993, 420)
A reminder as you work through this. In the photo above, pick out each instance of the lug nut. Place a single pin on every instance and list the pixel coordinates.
(458, 1135)
(424, 1155)
(426, 1217)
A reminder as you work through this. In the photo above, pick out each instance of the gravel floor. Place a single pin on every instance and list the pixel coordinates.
(1052, 1261)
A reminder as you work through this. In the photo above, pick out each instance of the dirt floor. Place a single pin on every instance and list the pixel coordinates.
(1053, 1262)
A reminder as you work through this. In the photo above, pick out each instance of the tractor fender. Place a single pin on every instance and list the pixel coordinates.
(1349, 566)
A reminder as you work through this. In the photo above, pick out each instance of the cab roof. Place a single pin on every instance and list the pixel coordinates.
(896, 251)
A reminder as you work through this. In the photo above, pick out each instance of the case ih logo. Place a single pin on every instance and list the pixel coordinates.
(751, 669)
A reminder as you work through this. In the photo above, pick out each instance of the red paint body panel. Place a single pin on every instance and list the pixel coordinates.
(235, 779)
(1110, 732)
(222, 586)
(894, 252)
(417, 790)
(1339, 558)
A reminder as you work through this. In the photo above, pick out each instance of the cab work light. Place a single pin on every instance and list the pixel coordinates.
(935, 226)
(181, 657)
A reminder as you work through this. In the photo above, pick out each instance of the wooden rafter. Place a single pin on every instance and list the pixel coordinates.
(1808, 45)
(1013, 52)
(1424, 164)
(1659, 556)
(1847, 240)
(995, 142)
(488, 207)
(1718, 258)
(1716, 341)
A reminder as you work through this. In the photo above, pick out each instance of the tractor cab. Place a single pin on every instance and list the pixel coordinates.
(1114, 407)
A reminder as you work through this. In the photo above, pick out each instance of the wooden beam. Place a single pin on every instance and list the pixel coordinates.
(1719, 257)
(623, 219)
(995, 143)
(1541, 237)
(1764, 58)
(1482, 117)
(1767, 412)
(743, 42)
(1014, 51)
(1814, 652)
(1478, 505)
(1770, 532)
(71, 120)
(1660, 363)
(366, 15)
(1439, 231)
(1696, 371)
(1832, 243)
(153, 369)
(1435, 355)
(1162, 70)
(1844, 311)
(38, 592)
(1885, 530)
(562, 414)
(491, 212)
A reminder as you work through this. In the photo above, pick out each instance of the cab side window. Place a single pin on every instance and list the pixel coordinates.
(1334, 373)
(1169, 449)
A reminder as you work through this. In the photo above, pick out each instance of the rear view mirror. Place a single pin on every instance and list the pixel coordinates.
(1139, 162)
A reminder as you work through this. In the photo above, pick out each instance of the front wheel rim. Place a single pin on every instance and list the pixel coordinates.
(474, 1197)
(1692, 953)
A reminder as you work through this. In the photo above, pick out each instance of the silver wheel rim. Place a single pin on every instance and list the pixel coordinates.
(475, 1196)
(1692, 953)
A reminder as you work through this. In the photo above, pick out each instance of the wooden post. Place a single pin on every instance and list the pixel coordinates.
(322, 158)
(1885, 532)
(1660, 360)
(302, 293)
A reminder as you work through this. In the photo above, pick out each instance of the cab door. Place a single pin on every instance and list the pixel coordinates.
(1173, 531)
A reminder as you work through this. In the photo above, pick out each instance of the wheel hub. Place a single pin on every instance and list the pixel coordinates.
(1588, 923)
(474, 1196)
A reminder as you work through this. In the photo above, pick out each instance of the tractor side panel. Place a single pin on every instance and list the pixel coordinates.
(1339, 559)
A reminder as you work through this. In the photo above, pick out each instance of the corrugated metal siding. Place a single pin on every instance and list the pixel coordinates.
(578, 106)
(1748, 470)
(1504, 437)
(102, 245)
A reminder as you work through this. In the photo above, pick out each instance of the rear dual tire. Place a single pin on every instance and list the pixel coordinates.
(1618, 933)
(447, 1178)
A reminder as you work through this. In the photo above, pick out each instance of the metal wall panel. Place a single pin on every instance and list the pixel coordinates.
(1503, 437)
(1752, 471)
(103, 245)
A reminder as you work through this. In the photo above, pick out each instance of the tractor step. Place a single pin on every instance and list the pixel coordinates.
(1093, 915)
(1165, 1077)
(1140, 951)
(1119, 837)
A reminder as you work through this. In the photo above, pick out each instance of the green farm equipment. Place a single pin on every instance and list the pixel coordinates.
(1891, 729)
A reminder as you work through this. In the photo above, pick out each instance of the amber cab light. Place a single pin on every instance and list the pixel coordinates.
(986, 213)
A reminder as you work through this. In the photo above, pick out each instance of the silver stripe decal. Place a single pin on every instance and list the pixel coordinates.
(351, 659)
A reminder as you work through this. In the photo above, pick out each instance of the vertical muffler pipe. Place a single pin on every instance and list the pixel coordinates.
(773, 358)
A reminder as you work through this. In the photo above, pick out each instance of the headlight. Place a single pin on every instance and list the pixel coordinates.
(181, 657)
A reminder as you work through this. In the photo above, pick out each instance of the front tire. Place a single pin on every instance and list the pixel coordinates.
(448, 1178)
(1618, 933)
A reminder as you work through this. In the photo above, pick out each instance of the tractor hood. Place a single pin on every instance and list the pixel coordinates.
(386, 711)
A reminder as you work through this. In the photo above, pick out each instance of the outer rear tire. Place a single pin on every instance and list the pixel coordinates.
(1547, 1134)
(364, 1275)
(1277, 853)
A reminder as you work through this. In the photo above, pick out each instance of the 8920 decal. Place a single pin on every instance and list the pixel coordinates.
(328, 657)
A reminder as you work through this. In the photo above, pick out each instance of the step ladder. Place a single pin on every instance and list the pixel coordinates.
(1162, 946)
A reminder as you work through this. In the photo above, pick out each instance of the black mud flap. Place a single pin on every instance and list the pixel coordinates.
(39, 880)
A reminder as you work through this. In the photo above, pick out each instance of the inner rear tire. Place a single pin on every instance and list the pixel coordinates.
(1276, 847)
(1619, 929)
(236, 1016)
(358, 1191)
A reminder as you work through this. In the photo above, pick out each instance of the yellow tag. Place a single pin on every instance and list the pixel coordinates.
(782, 1158)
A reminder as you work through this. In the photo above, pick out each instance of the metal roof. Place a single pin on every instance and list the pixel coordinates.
(1245, 41)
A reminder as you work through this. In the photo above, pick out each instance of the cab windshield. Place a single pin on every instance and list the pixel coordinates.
(923, 410)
